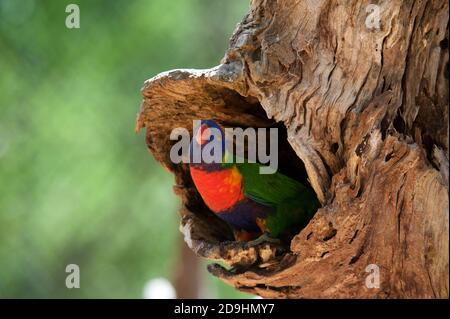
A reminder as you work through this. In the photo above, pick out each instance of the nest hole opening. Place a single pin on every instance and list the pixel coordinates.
(237, 111)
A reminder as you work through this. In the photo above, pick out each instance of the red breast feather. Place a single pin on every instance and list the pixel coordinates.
(220, 189)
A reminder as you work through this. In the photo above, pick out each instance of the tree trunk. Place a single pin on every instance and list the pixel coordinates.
(364, 105)
(187, 279)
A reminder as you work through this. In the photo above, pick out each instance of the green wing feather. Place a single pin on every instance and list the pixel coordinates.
(270, 189)
(295, 204)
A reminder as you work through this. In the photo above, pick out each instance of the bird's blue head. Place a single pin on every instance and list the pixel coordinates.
(208, 138)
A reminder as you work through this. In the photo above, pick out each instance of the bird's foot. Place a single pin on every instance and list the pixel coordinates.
(264, 238)
(242, 235)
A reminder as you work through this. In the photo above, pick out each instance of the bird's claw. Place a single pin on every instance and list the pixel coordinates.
(264, 238)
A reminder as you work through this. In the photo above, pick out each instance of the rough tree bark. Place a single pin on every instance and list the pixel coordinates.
(365, 111)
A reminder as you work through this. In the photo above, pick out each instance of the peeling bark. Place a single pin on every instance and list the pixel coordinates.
(365, 113)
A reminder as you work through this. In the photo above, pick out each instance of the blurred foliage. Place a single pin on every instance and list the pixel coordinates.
(76, 184)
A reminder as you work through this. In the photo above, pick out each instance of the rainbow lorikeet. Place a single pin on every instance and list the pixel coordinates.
(253, 204)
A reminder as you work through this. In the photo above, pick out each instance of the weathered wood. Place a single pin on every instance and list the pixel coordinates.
(366, 112)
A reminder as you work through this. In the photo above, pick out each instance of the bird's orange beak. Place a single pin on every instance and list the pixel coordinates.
(202, 135)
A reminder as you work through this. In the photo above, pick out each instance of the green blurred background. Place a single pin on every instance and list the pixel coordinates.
(76, 184)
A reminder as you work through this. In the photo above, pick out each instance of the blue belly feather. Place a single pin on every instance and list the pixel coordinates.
(242, 215)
